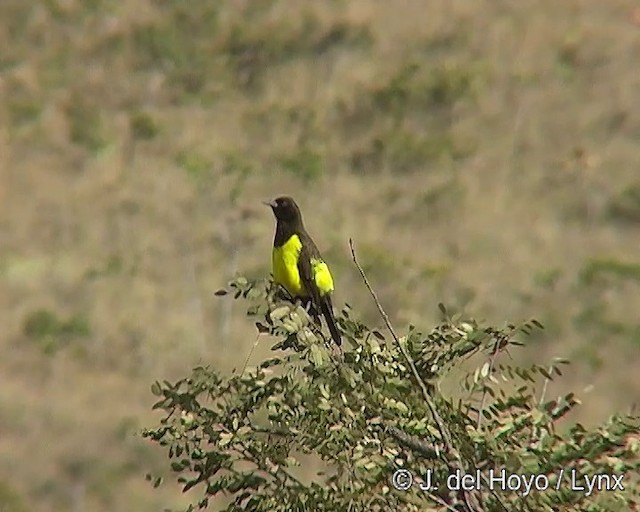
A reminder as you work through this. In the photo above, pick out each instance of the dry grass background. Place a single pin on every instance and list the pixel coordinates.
(482, 154)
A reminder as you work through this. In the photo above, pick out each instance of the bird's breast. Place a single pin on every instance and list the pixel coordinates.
(285, 266)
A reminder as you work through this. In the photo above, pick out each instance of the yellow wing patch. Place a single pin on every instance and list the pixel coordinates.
(322, 276)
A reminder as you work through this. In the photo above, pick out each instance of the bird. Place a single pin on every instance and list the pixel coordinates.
(298, 265)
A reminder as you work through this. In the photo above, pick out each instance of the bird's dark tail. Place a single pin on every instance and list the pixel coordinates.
(327, 311)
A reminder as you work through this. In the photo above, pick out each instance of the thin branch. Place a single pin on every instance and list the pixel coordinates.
(468, 496)
(246, 361)
(492, 361)
(278, 473)
(536, 431)
(425, 393)
(420, 446)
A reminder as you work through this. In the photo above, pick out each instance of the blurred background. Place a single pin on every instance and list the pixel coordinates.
(481, 154)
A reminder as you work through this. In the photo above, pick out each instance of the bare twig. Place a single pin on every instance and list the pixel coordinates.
(246, 361)
(420, 446)
(423, 387)
(467, 496)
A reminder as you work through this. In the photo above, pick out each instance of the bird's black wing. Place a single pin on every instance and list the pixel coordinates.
(320, 303)
(305, 270)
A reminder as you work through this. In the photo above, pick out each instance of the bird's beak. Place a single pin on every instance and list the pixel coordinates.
(270, 204)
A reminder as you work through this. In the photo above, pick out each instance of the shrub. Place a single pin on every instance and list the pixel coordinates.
(376, 418)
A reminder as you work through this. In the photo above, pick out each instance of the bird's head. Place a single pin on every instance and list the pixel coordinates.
(285, 208)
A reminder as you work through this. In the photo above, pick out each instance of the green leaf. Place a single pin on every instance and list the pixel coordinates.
(316, 355)
(279, 313)
(361, 413)
(156, 389)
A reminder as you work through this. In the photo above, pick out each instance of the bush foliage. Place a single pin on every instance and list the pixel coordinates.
(376, 419)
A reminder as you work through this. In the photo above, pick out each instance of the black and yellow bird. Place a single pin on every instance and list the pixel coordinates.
(298, 265)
